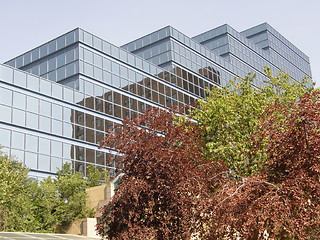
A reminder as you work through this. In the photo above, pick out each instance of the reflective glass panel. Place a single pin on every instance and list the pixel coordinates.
(44, 124)
(32, 120)
(17, 155)
(31, 160)
(44, 145)
(5, 113)
(31, 143)
(19, 100)
(5, 136)
(56, 164)
(33, 83)
(44, 163)
(5, 96)
(32, 104)
(17, 140)
(20, 78)
(56, 127)
(45, 108)
(18, 117)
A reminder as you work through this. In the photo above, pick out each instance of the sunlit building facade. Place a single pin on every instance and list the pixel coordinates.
(58, 100)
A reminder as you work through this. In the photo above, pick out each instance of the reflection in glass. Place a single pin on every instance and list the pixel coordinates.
(20, 78)
(5, 96)
(44, 163)
(5, 137)
(56, 148)
(44, 124)
(17, 155)
(45, 87)
(56, 127)
(17, 140)
(33, 83)
(18, 117)
(31, 143)
(32, 120)
(67, 150)
(45, 108)
(19, 100)
(5, 115)
(44, 146)
(31, 160)
(56, 164)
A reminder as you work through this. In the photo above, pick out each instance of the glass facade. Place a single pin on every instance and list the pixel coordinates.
(58, 101)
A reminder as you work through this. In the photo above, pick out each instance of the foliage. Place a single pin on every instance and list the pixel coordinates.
(230, 115)
(96, 177)
(166, 180)
(283, 200)
(62, 199)
(45, 206)
(180, 179)
(16, 195)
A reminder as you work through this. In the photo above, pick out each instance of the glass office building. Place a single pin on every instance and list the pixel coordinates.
(58, 100)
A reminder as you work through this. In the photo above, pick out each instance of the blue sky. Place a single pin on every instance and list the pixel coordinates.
(27, 24)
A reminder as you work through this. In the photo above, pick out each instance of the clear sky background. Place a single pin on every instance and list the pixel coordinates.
(26, 24)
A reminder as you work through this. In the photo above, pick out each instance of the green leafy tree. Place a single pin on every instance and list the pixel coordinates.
(96, 177)
(45, 206)
(16, 197)
(229, 117)
(63, 199)
(282, 201)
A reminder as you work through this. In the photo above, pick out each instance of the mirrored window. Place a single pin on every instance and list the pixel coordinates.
(19, 100)
(31, 143)
(45, 87)
(56, 148)
(56, 164)
(17, 155)
(52, 46)
(44, 124)
(5, 137)
(88, 56)
(44, 163)
(32, 104)
(68, 95)
(97, 60)
(60, 73)
(20, 78)
(32, 120)
(61, 42)
(27, 58)
(70, 56)
(52, 64)
(44, 145)
(31, 160)
(45, 108)
(5, 96)
(18, 117)
(17, 140)
(57, 91)
(33, 83)
(70, 69)
(67, 150)
(5, 113)
(88, 69)
(56, 127)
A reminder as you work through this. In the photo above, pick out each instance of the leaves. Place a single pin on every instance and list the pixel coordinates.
(165, 182)
(31, 206)
(283, 198)
(248, 168)
(230, 116)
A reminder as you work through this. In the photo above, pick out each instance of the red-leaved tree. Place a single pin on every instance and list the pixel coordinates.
(283, 200)
(166, 182)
